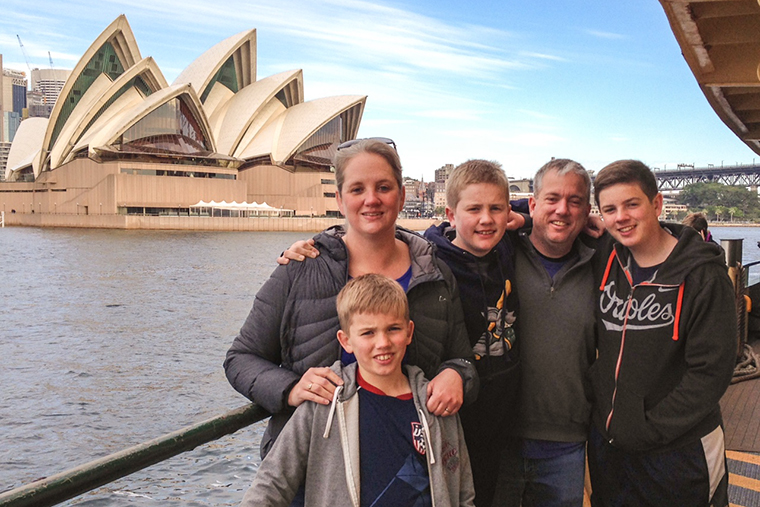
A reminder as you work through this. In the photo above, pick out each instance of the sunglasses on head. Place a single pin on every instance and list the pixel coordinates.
(352, 142)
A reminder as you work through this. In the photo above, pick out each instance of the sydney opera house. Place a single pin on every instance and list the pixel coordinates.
(121, 141)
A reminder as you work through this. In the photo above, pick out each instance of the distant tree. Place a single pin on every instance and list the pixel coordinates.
(738, 213)
(699, 195)
(709, 196)
(720, 211)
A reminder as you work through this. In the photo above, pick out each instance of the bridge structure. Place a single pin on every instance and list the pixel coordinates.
(736, 175)
(747, 175)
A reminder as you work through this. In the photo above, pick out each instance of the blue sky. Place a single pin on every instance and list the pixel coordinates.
(517, 82)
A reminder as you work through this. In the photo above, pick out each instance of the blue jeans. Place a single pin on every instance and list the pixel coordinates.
(544, 482)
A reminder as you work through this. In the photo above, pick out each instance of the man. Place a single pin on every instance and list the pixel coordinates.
(545, 464)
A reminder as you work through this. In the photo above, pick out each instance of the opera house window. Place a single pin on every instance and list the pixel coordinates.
(320, 148)
(170, 128)
(104, 61)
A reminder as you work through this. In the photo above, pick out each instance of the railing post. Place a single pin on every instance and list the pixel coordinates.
(733, 252)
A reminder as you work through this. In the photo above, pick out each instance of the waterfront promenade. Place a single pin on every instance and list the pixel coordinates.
(191, 223)
(196, 223)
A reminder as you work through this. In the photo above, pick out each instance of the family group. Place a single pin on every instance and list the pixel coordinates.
(488, 361)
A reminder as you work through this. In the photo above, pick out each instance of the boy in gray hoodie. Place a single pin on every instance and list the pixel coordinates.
(386, 449)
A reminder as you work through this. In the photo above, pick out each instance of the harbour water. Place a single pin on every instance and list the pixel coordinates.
(109, 338)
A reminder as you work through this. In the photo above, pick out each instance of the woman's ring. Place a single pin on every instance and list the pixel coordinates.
(308, 388)
(446, 410)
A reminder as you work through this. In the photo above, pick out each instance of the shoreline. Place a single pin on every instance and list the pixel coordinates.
(730, 224)
(187, 223)
(196, 223)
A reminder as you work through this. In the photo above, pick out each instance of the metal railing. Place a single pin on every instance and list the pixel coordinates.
(76, 481)
(747, 361)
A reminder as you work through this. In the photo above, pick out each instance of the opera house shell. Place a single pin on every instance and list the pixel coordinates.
(123, 141)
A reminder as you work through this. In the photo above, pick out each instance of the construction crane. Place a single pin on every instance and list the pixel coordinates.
(24, 52)
(51, 59)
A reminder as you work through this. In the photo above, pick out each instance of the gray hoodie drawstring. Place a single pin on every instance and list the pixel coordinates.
(333, 406)
(429, 441)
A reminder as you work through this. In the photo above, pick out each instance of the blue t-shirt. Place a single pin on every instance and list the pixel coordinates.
(553, 265)
(394, 470)
(641, 275)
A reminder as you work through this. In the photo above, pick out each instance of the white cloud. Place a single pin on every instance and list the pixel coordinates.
(544, 56)
(605, 35)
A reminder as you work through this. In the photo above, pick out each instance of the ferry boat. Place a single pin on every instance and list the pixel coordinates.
(715, 37)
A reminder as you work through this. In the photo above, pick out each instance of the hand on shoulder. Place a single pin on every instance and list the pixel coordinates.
(298, 251)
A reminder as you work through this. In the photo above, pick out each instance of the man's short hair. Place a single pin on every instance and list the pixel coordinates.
(473, 172)
(373, 294)
(563, 166)
(697, 221)
(626, 171)
(376, 146)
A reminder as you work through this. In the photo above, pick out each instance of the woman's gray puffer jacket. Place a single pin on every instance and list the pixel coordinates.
(293, 325)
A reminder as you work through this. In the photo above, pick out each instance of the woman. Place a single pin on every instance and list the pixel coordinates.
(281, 356)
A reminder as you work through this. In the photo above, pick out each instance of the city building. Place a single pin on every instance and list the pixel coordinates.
(12, 107)
(413, 201)
(121, 140)
(439, 197)
(48, 83)
(5, 148)
(438, 189)
(521, 186)
(37, 105)
(14, 90)
(442, 173)
(12, 101)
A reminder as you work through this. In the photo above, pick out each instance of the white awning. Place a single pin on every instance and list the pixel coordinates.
(242, 206)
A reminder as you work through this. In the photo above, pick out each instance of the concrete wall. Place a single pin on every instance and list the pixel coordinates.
(187, 223)
(302, 191)
(86, 187)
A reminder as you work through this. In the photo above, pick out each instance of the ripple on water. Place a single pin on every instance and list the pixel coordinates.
(113, 338)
